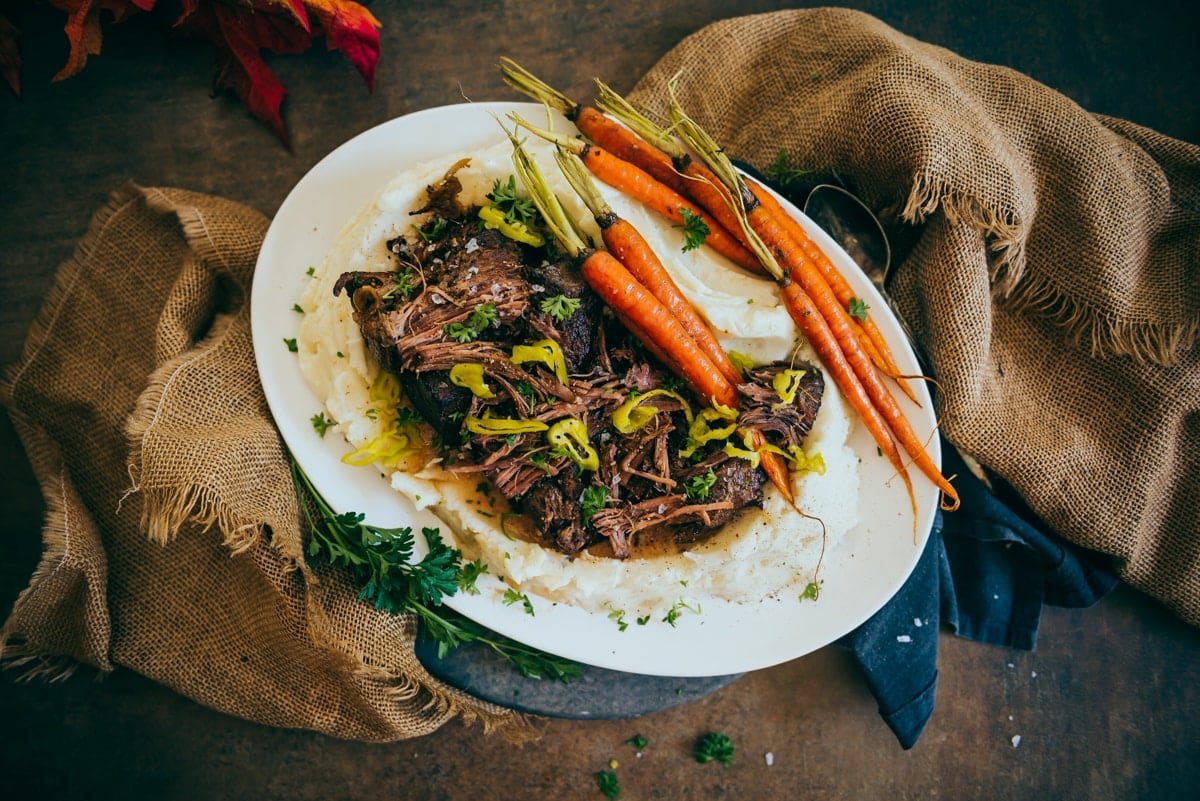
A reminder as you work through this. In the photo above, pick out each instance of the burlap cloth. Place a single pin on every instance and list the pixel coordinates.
(1053, 287)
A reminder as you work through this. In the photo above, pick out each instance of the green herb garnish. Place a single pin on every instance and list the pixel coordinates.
(291, 345)
(812, 591)
(714, 747)
(637, 741)
(695, 230)
(321, 423)
(606, 780)
(432, 230)
(511, 597)
(297, 308)
(782, 171)
(516, 207)
(560, 307)
(857, 309)
(698, 487)
(592, 501)
(481, 317)
(380, 563)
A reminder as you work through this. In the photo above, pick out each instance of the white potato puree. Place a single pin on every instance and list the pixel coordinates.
(763, 552)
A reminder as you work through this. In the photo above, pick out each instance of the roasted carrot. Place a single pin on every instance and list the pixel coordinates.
(792, 269)
(595, 125)
(699, 183)
(625, 295)
(641, 186)
(871, 337)
(632, 250)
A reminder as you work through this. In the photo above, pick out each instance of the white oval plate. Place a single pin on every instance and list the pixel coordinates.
(860, 574)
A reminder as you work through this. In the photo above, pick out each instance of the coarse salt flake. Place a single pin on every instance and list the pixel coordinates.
(472, 245)
(918, 622)
(769, 758)
(904, 638)
(1016, 740)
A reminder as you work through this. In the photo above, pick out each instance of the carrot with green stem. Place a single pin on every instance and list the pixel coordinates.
(820, 317)
(704, 187)
(699, 183)
(631, 249)
(871, 338)
(595, 125)
(624, 293)
(641, 186)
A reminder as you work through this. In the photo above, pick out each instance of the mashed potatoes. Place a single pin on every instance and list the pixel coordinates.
(760, 553)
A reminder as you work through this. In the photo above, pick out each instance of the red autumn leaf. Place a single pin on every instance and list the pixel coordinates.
(83, 27)
(354, 31)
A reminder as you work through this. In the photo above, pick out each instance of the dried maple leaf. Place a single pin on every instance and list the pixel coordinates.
(354, 31)
(83, 27)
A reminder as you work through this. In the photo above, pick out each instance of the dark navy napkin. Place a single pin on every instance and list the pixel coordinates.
(985, 573)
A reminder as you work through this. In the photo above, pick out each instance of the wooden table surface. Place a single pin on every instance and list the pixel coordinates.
(1105, 708)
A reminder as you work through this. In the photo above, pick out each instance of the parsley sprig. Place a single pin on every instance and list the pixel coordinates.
(505, 197)
(695, 230)
(714, 747)
(782, 171)
(560, 307)
(484, 315)
(380, 563)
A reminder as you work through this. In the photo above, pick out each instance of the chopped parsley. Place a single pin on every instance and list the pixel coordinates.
(511, 597)
(606, 780)
(618, 617)
(782, 171)
(432, 230)
(812, 591)
(297, 308)
(714, 747)
(695, 230)
(505, 197)
(482, 316)
(678, 609)
(468, 574)
(697, 487)
(321, 423)
(592, 501)
(310, 272)
(560, 307)
(637, 741)
(857, 309)
(291, 345)
(403, 284)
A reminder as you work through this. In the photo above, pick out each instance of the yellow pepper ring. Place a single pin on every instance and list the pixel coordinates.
(493, 218)
(571, 435)
(786, 384)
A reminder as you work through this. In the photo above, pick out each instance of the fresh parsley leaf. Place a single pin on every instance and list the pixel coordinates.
(297, 308)
(560, 307)
(482, 316)
(432, 230)
(678, 609)
(618, 617)
(695, 230)
(511, 597)
(606, 780)
(403, 284)
(697, 487)
(857, 309)
(406, 416)
(714, 747)
(310, 272)
(812, 591)
(592, 501)
(469, 574)
(516, 207)
(291, 345)
(380, 563)
(782, 171)
(637, 741)
(321, 423)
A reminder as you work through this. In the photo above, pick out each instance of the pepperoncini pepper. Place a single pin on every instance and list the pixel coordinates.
(501, 426)
(632, 416)
(470, 376)
(545, 351)
(493, 217)
(701, 430)
(786, 384)
(572, 437)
